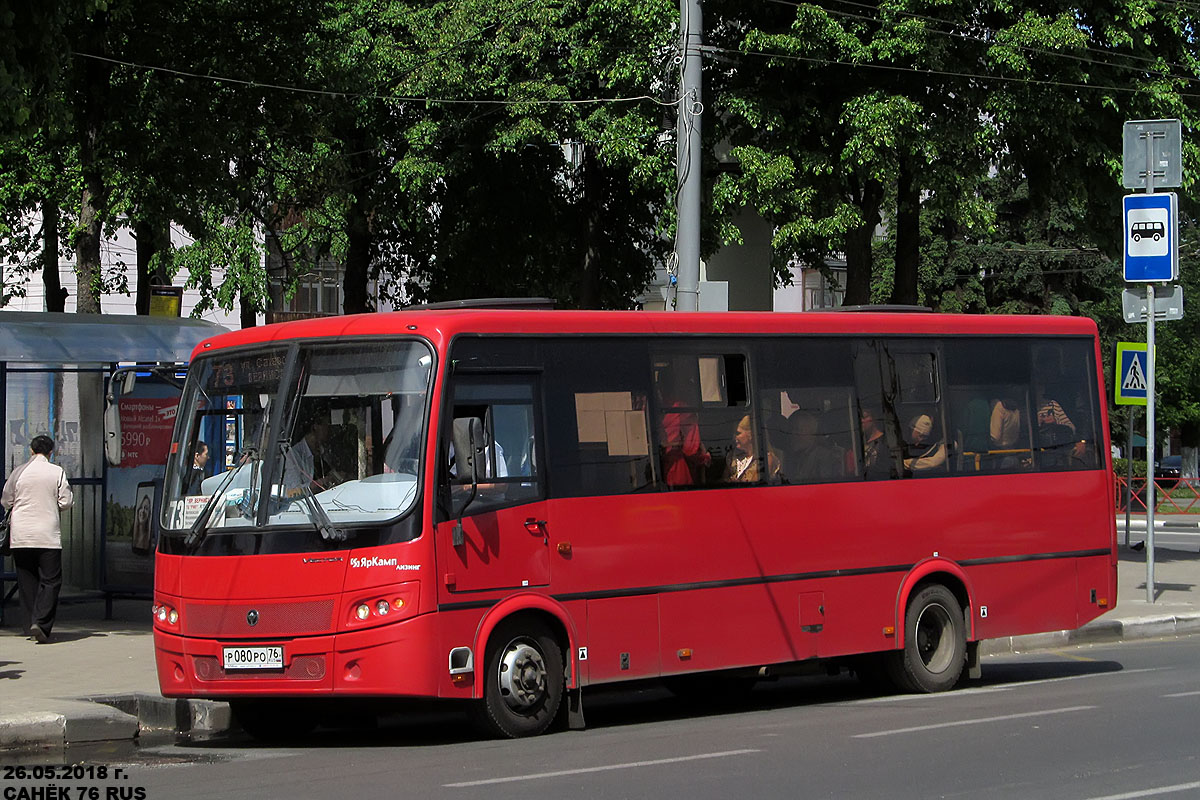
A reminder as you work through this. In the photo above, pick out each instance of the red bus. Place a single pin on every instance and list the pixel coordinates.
(505, 506)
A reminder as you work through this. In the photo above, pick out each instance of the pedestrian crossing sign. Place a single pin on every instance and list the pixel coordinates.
(1131, 374)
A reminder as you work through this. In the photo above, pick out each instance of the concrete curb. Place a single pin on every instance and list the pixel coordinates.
(66, 722)
(1102, 630)
(157, 713)
(107, 718)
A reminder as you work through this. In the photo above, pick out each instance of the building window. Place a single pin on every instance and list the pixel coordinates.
(318, 291)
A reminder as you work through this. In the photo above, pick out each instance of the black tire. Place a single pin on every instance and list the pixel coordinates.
(274, 720)
(523, 680)
(935, 643)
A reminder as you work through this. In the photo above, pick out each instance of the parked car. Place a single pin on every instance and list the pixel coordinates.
(1168, 471)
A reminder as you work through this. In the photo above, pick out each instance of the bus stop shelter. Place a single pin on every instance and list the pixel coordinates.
(54, 373)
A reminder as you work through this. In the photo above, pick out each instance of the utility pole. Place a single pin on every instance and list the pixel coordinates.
(687, 162)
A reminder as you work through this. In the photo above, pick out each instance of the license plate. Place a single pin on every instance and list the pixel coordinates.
(268, 657)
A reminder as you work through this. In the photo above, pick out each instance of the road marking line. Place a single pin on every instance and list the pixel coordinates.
(1179, 787)
(606, 768)
(1005, 687)
(979, 721)
(1182, 694)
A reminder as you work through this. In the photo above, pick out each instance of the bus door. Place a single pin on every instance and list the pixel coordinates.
(494, 535)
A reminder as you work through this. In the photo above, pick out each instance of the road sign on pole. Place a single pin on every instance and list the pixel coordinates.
(1130, 374)
(1151, 235)
(1168, 304)
(1155, 145)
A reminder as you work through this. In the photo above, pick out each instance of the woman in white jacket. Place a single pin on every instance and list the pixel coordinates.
(34, 495)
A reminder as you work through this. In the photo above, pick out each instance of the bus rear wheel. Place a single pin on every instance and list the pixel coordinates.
(935, 643)
(523, 680)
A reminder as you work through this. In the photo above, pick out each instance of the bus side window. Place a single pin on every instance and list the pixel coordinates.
(987, 396)
(598, 441)
(701, 400)
(507, 410)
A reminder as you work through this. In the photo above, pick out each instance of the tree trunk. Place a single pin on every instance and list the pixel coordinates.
(908, 237)
(358, 260)
(96, 75)
(858, 245)
(589, 274)
(87, 246)
(151, 240)
(56, 296)
(248, 314)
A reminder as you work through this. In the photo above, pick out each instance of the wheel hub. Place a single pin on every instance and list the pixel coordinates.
(522, 675)
(935, 638)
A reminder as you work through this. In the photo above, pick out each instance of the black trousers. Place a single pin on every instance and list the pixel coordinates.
(39, 579)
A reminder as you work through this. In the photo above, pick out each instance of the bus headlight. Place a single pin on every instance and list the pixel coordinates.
(164, 614)
(383, 606)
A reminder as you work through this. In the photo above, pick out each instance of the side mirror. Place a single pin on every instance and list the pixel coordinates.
(468, 448)
(469, 466)
(112, 432)
(120, 382)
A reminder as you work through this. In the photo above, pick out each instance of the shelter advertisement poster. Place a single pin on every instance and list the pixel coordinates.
(134, 487)
(146, 425)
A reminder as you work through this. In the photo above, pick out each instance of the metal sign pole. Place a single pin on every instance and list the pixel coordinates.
(1152, 494)
(1128, 474)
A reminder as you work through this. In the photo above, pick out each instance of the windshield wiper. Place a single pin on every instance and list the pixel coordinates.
(199, 529)
(316, 512)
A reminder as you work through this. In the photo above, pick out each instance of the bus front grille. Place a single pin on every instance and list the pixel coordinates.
(258, 620)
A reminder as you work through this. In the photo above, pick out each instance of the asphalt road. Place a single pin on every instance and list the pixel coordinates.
(1114, 721)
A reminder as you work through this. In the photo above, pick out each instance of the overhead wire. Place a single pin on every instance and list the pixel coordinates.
(939, 21)
(1026, 48)
(938, 72)
(373, 96)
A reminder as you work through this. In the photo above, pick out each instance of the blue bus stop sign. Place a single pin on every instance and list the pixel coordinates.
(1151, 234)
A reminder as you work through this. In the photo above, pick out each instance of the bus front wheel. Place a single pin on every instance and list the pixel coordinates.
(523, 680)
(935, 643)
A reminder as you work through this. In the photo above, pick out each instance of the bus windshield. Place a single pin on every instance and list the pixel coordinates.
(316, 435)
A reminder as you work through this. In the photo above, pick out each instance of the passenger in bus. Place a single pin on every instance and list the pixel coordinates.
(684, 455)
(306, 465)
(745, 466)
(1005, 433)
(1004, 427)
(810, 459)
(1055, 388)
(196, 474)
(1056, 438)
(877, 457)
(926, 451)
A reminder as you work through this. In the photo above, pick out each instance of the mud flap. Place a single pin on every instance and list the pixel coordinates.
(974, 670)
(571, 712)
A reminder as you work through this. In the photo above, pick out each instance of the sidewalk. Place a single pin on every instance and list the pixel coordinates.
(95, 681)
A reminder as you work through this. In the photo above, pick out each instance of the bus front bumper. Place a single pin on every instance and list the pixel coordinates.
(397, 660)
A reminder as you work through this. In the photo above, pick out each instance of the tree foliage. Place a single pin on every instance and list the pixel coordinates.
(959, 155)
